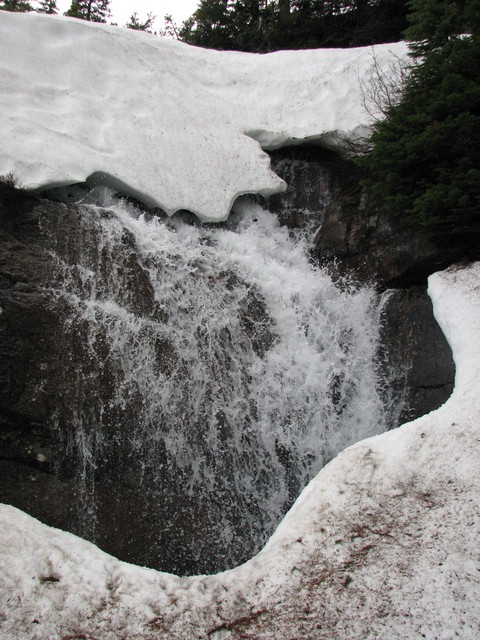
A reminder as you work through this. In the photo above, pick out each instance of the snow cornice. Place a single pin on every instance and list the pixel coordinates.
(170, 124)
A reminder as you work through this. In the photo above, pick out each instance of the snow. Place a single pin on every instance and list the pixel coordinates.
(175, 126)
(383, 543)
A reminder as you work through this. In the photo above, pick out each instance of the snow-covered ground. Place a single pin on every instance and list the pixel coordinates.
(383, 543)
(176, 126)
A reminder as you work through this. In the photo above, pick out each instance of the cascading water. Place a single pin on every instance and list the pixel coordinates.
(214, 371)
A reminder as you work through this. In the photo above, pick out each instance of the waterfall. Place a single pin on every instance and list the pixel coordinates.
(214, 369)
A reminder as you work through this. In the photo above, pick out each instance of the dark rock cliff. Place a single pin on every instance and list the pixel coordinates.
(324, 195)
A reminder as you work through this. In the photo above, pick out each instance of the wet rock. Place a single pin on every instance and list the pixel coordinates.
(324, 196)
(414, 355)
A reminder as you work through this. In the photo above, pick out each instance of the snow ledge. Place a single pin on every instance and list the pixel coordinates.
(173, 124)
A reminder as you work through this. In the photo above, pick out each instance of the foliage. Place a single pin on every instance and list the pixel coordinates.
(382, 91)
(260, 25)
(425, 161)
(10, 180)
(91, 10)
(16, 5)
(434, 23)
(170, 29)
(137, 25)
(48, 6)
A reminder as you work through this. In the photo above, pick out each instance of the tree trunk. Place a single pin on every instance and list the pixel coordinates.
(284, 7)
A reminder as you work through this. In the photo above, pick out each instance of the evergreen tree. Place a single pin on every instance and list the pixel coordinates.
(135, 23)
(170, 30)
(91, 10)
(16, 5)
(425, 161)
(210, 25)
(48, 6)
(434, 23)
(261, 25)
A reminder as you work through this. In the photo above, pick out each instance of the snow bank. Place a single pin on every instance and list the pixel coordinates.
(383, 543)
(173, 125)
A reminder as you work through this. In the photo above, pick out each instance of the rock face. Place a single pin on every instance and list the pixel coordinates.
(55, 371)
(324, 196)
(27, 324)
(29, 351)
(414, 355)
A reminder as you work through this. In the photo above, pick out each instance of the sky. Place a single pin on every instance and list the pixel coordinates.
(123, 9)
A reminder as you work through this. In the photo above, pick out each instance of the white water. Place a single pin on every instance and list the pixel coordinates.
(248, 370)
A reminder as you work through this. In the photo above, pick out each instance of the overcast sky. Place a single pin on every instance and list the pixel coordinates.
(123, 9)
